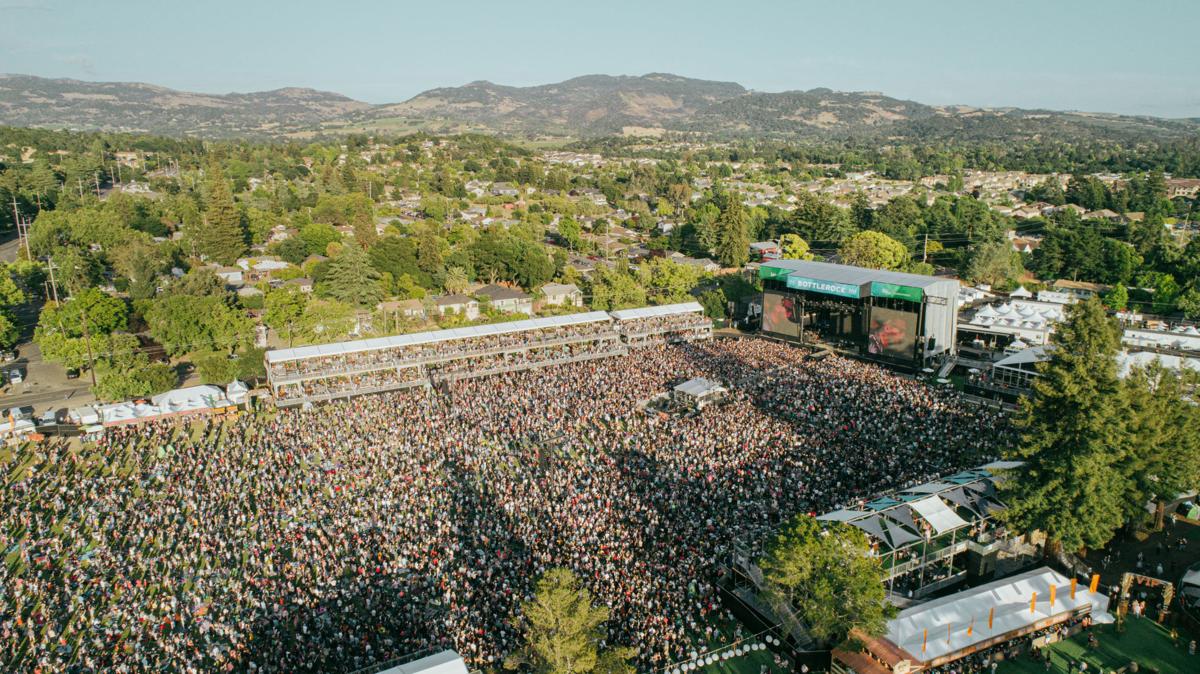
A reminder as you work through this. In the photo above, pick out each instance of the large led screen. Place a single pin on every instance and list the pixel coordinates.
(781, 315)
(892, 332)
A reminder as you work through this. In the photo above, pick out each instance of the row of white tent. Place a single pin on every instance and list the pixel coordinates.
(178, 402)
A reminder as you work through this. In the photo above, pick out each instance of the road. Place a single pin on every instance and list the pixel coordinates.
(46, 385)
(9, 247)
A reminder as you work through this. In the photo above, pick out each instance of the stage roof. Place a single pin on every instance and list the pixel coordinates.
(948, 619)
(318, 350)
(841, 273)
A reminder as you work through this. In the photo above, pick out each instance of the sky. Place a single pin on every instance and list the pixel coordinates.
(1094, 55)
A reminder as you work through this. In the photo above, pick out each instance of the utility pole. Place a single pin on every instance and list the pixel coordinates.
(53, 282)
(87, 338)
(97, 177)
(22, 227)
(79, 181)
(925, 248)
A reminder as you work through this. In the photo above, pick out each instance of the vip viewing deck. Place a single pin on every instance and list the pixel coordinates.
(328, 371)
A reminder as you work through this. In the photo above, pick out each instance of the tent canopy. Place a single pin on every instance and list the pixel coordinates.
(934, 511)
(1008, 600)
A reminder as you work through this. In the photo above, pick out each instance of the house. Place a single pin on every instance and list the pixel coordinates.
(764, 250)
(562, 294)
(1183, 187)
(413, 310)
(1079, 289)
(304, 284)
(508, 300)
(457, 304)
(504, 190)
(259, 269)
(232, 276)
(703, 264)
(130, 159)
(1103, 214)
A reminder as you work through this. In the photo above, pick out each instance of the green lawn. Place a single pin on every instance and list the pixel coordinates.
(1143, 640)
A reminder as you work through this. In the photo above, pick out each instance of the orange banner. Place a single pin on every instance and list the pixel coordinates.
(924, 640)
(1053, 593)
(1074, 582)
(1095, 583)
(1033, 602)
(991, 616)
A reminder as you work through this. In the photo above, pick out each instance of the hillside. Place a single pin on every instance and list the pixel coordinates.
(588, 105)
(582, 107)
(137, 107)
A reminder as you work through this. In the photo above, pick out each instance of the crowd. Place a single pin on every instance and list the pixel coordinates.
(672, 327)
(327, 539)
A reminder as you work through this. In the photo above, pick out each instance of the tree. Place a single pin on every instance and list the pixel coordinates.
(221, 236)
(11, 295)
(283, 309)
(1073, 438)
(570, 232)
(184, 323)
(994, 263)
(1189, 303)
(733, 234)
(131, 375)
(668, 282)
(10, 331)
(456, 280)
(326, 321)
(317, 237)
(564, 631)
(1117, 298)
(1164, 458)
(828, 577)
(793, 247)
(714, 303)
(352, 279)
(874, 250)
(614, 289)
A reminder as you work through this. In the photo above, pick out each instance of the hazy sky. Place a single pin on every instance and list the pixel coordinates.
(1100, 55)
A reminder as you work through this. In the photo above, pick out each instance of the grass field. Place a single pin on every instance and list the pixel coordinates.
(1143, 641)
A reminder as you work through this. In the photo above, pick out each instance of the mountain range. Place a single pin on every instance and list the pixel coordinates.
(582, 107)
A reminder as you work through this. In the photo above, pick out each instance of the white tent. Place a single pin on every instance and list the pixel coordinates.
(237, 392)
(934, 511)
(1020, 292)
(948, 620)
(445, 662)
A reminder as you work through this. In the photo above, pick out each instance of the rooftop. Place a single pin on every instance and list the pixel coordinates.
(320, 350)
(842, 273)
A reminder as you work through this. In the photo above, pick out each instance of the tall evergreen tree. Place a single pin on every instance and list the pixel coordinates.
(1163, 457)
(221, 236)
(564, 631)
(733, 231)
(352, 279)
(1074, 438)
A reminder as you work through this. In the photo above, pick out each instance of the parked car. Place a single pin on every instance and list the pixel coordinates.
(19, 413)
(7, 356)
(16, 376)
(48, 418)
(72, 373)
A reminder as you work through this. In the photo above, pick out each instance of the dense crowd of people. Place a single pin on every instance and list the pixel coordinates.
(328, 539)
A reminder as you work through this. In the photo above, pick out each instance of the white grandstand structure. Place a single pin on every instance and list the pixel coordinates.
(328, 371)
